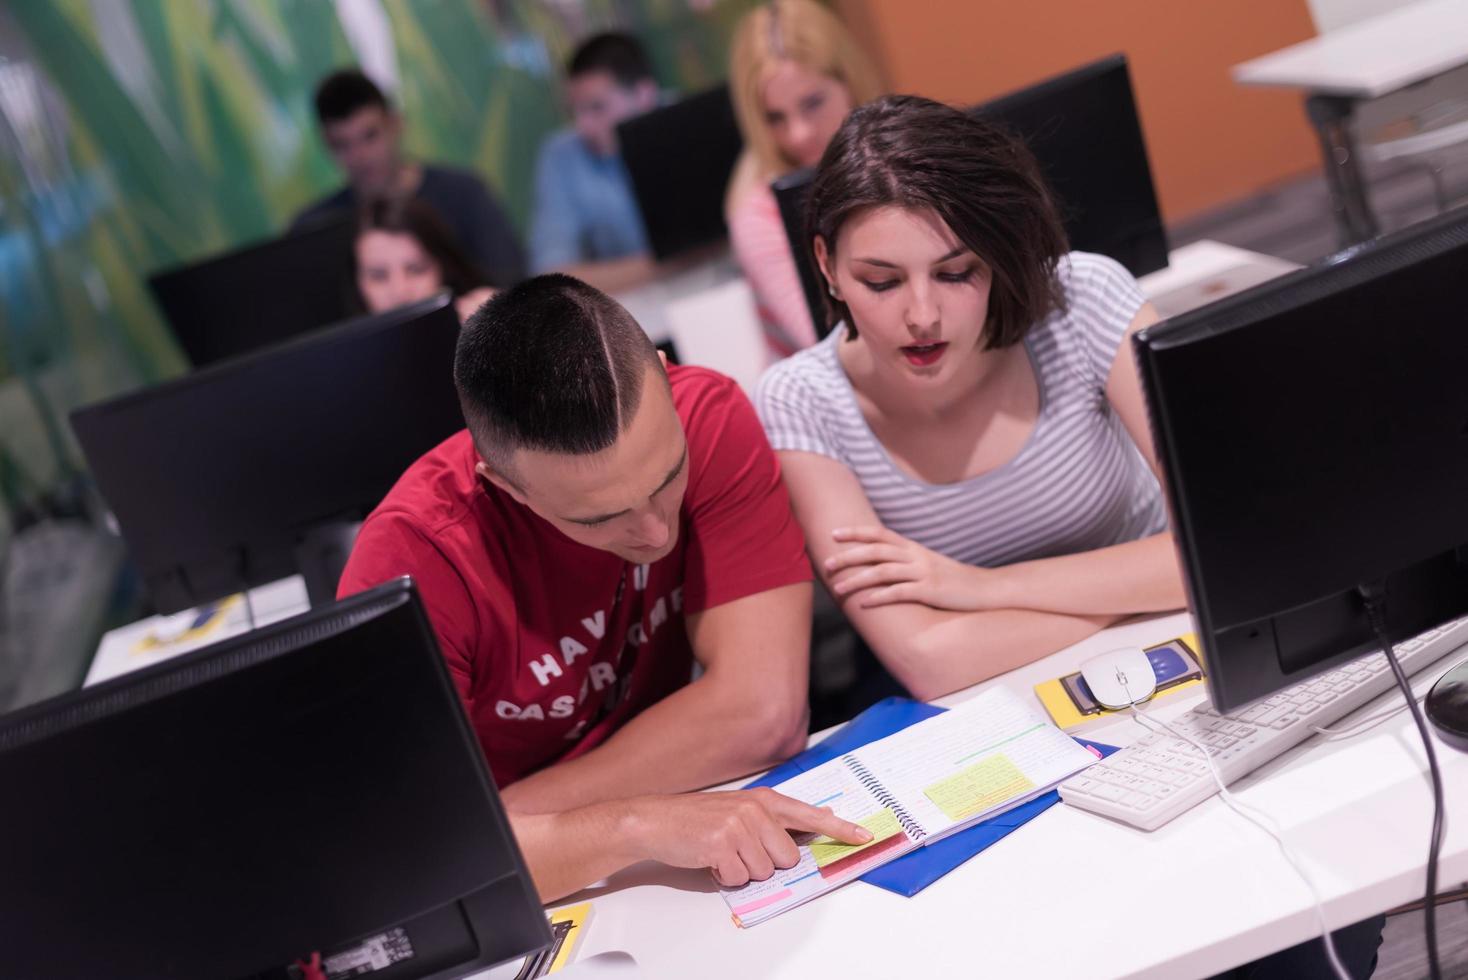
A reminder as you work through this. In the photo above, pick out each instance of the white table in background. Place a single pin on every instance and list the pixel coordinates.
(1205, 271)
(1063, 896)
(1366, 60)
(648, 302)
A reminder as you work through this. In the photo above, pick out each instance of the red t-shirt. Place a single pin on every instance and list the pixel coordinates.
(553, 644)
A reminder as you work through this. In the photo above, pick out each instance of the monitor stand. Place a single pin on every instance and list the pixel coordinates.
(1447, 707)
(321, 555)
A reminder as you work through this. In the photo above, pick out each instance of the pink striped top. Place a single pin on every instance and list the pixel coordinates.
(763, 252)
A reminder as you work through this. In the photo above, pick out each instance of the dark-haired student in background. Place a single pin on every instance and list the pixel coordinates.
(404, 253)
(586, 222)
(604, 522)
(363, 133)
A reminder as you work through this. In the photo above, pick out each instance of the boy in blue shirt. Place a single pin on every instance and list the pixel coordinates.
(586, 222)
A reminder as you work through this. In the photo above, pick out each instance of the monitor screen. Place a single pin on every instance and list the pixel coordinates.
(304, 788)
(1313, 434)
(790, 195)
(259, 295)
(680, 157)
(219, 478)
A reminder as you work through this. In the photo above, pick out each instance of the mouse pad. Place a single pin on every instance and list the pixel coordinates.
(1172, 664)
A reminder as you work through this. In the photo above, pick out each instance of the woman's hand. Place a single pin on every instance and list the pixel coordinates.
(887, 568)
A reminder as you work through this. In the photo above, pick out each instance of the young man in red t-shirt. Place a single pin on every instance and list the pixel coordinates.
(604, 522)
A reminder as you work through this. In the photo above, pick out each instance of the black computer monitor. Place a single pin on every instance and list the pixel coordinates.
(259, 295)
(260, 467)
(679, 158)
(1313, 434)
(308, 787)
(791, 191)
(1083, 129)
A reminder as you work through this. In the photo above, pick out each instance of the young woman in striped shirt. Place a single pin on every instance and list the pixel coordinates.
(968, 453)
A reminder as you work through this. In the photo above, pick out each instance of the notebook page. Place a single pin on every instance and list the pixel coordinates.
(972, 761)
(824, 864)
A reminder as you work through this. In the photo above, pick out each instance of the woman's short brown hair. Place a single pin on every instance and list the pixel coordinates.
(982, 181)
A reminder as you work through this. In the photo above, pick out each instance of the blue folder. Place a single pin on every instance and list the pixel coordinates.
(917, 869)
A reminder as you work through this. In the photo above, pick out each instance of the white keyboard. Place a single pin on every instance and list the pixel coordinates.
(1160, 776)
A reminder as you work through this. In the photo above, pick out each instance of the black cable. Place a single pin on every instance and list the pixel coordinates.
(1374, 595)
(244, 573)
(249, 608)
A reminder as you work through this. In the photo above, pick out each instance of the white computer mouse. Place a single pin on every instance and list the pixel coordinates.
(1120, 678)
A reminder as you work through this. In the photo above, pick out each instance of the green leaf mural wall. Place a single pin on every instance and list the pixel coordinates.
(136, 134)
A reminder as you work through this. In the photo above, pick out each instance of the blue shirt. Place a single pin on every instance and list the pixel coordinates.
(584, 208)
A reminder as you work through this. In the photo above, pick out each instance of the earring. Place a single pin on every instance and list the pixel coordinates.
(832, 290)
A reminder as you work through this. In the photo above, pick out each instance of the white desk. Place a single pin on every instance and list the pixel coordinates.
(159, 638)
(1209, 891)
(648, 303)
(1047, 901)
(1365, 60)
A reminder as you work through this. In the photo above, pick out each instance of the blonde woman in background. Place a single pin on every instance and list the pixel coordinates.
(795, 73)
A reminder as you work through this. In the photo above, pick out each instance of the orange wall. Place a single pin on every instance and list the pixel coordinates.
(1210, 141)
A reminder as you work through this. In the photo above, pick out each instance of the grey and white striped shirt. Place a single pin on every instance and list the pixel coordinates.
(1078, 483)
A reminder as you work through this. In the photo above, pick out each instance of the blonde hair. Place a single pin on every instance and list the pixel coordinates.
(802, 31)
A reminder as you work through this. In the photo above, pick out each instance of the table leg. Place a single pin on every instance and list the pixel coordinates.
(1331, 116)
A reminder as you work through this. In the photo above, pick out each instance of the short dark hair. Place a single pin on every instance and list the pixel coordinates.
(342, 93)
(620, 55)
(980, 179)
(550, 364)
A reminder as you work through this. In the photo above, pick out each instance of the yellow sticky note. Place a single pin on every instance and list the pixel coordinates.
(987, 783)
(883, 824)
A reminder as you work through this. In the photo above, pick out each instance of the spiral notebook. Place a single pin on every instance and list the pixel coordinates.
(917, 786)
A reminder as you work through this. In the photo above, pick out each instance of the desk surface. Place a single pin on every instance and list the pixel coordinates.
(1371, 57)
(1209, 891)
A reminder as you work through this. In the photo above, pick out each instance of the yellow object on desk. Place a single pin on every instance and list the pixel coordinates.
(205, 621)
(882, 824)
(568, 928)
(1063, 711)
(982, 786)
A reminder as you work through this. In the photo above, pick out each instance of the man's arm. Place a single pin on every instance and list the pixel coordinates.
(616, 275)
(613, 275)
(746, 713)
(739, 837)
(556, 229)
